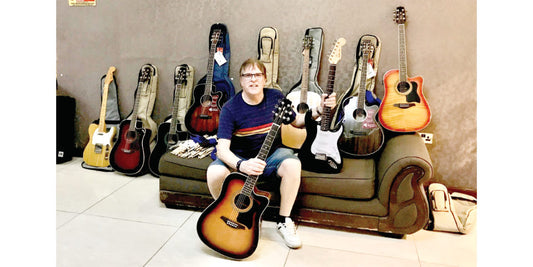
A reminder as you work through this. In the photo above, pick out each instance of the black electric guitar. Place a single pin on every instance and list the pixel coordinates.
(230, 225)
(319, 151)
(362, 135)
(169, 133)
(203, 115)
(131, 151)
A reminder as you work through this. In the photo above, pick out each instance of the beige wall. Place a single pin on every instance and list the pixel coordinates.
(441, 47)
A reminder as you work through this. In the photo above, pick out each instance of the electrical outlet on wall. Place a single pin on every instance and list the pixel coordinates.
(427, 137)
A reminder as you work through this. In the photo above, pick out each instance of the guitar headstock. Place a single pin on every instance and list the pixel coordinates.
(181, 76)
(307, 42)
(145, 74)
(335, 54)
(282, 112)
(109, 75)
(367, 47)
(215, 36)
(399, 15)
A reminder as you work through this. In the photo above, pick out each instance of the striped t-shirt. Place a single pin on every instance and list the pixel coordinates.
(247, 125)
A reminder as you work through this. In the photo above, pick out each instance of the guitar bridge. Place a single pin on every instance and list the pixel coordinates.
(320, 156)
(404, 105)
(205, 117)
(97, 148)
(232, 224)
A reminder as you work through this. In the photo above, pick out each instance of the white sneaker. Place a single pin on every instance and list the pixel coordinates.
(287, 230)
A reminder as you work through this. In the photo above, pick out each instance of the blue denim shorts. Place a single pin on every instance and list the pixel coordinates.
(273, 162)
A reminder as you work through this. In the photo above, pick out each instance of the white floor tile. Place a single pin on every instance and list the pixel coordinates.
(370, 243)
(63, 217)
(311, 256)
(78, 189)
(447, 248)
(186, 249)
(139, 201)
(99, 241)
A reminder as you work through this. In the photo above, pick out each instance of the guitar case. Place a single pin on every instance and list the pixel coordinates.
(184, 100)
(268, 53)
(315, 54)
(221, 70)
(146, 103)
(371, 80)
(112, 115)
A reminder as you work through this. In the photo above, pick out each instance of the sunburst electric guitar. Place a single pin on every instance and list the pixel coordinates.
(131, 152)
(404, 107)
(362, 135)
(320, 152)
(230, 225)
(97, 151)
(291, 136)
(204, 113)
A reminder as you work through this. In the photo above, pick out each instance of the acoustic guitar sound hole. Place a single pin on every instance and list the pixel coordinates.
(403, 87)
(359, 114)
(302, 108)
(206, 100)
(242, 201)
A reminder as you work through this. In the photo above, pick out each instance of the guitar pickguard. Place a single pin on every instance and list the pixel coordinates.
(325, 144)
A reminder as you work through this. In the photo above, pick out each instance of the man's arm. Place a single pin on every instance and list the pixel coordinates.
(329, 101)
(253, 166)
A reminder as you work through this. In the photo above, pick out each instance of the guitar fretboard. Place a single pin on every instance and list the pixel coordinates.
(101, 125)
(305, 77)
(211, 63)
(174, 119)
(325, 121)
(402, 52)
(362, 83)
(249, 185)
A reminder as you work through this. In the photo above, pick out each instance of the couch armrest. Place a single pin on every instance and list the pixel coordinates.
(401, 152)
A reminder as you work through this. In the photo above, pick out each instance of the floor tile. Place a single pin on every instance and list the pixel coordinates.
(368, 243)
(186, 249)
(139, 201)
(100, 241)
(447, 248)
(78, 189)
(64, 217)
(311, 256)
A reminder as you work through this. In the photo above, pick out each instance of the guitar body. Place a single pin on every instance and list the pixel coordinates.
(96, 153)
(130, 154)
(231, 224)
(362, 135)
(291, 136)
(160, 148)
(403, 110)
(319, 152)
(204, 113)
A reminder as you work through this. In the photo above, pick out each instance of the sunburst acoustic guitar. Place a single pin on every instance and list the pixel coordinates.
(230, 225)
(404, 107)
(96, 153)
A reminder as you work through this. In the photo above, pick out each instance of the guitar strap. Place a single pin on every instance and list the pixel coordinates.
(356, 76)
(314, 61)
(268, 50)
(146, 102)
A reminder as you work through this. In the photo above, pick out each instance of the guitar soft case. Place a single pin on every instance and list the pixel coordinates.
(315, 54)
(184, 99)
(268, 50)
(221, 78)
(146, 103)
(65, 118)
(112, 115)
(371, 77)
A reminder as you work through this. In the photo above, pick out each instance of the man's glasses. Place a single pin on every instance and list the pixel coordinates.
(249, 76)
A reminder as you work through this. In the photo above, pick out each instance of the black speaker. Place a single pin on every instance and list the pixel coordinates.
(65, 112)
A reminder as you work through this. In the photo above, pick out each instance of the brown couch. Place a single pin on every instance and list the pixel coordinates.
(384, 193)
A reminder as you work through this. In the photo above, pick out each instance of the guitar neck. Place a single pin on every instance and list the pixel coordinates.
(174, 119)
(263, 154)
(103, 108)
(402, 52)
(305, 77)
(133, 123)
(362, 83)
(325, 121)
(211, 65)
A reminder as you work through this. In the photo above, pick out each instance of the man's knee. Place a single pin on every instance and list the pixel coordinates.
(290, 166)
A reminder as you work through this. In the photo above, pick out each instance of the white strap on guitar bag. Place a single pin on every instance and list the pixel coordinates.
(146, 103)
(268, 49)
(451, 213)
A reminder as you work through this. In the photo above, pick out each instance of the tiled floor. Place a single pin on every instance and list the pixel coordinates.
(109, 219)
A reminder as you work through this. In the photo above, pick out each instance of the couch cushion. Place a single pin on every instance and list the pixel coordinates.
(355, 181)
